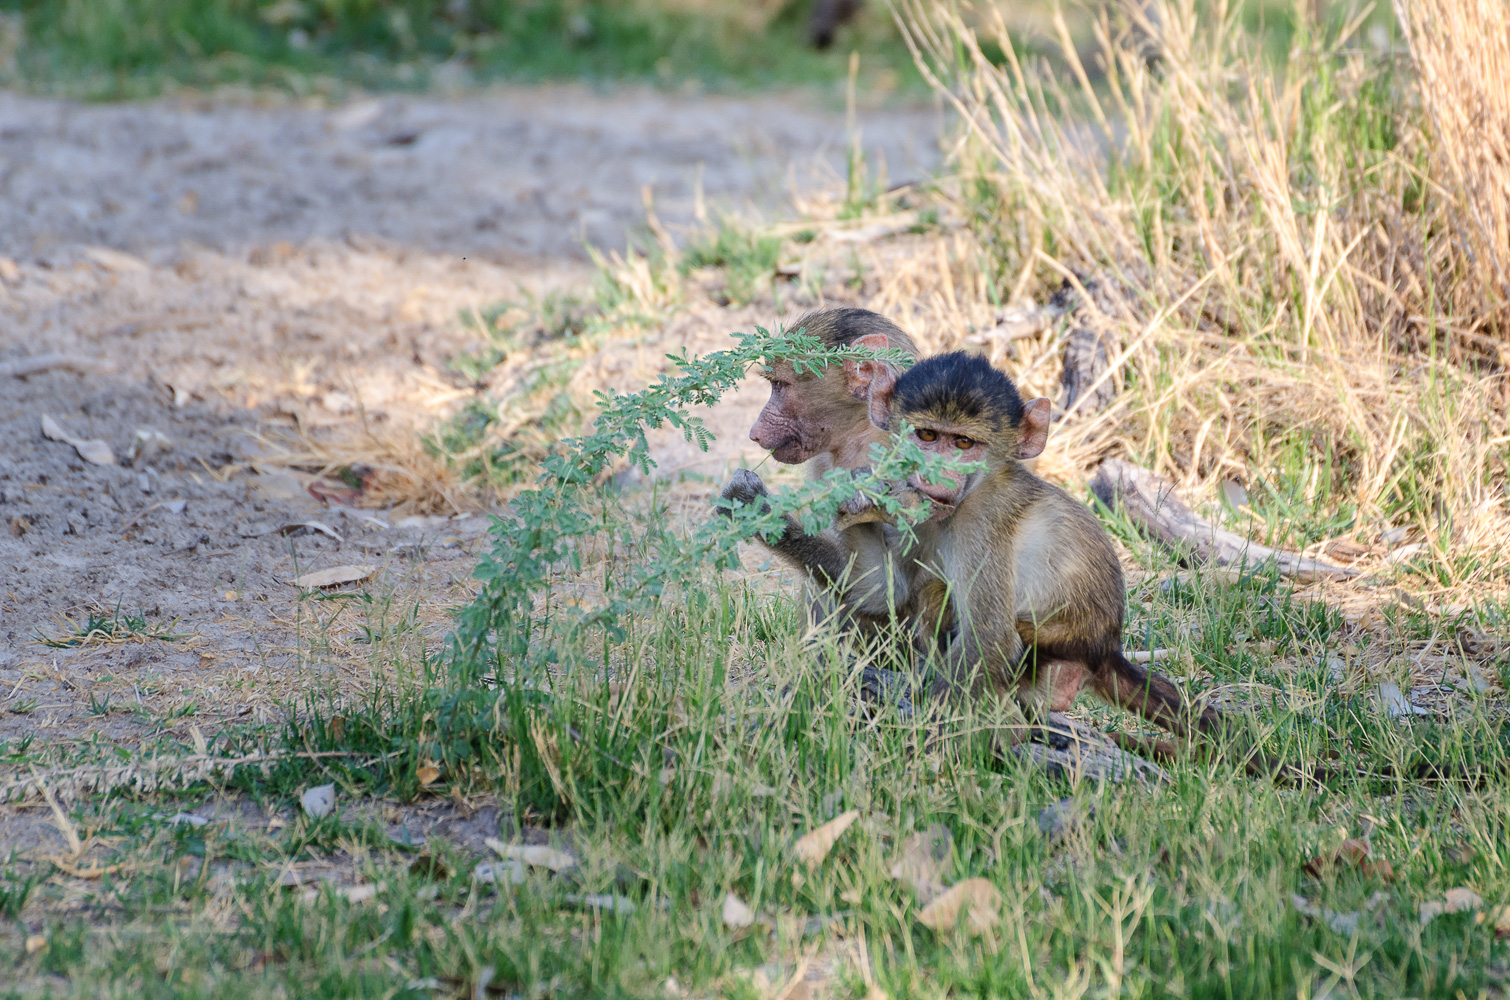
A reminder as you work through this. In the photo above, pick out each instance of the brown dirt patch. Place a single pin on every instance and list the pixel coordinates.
(271, 273)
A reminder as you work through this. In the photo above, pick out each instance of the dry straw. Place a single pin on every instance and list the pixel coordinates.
(1302, 259)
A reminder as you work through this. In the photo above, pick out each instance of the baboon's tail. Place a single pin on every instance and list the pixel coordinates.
(1155, 698)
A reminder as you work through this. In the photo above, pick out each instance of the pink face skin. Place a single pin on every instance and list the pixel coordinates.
(943, 439)
(786, 426)
(798, 423)
(947, 442)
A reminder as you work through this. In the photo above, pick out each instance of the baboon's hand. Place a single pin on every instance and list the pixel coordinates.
(745, 487)
(860, 509)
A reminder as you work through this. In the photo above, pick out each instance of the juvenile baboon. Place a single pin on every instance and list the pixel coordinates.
(822, 418)
(1017, 584)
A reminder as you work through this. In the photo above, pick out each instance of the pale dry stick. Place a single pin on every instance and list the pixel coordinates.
(65, 826)
(1151, 502)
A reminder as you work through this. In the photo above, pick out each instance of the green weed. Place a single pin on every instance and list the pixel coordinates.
(749, 259)
(105, 628)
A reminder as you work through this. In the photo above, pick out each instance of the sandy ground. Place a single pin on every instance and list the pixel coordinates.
(230, 270)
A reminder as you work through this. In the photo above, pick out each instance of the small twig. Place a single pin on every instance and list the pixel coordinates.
(139, 515)
(35, 365)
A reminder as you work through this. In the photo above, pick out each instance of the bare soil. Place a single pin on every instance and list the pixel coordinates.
(237, 270)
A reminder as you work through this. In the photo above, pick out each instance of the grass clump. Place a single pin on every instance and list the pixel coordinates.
(1300, 279)
(748, 259)
(690, 769)
(106, 628)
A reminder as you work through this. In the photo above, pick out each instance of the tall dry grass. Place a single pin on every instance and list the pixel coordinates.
(1461, 52)
(1298, 263)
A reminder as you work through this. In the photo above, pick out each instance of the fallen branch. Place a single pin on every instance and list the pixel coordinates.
(1014, 324)
(35, 365)
(1083, 375)
(1151, 503)
(1075, 752)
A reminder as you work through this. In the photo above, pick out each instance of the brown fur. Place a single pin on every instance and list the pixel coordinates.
(821, 417)
(1035, 594)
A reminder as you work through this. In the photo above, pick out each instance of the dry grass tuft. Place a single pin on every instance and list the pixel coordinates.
(1301, 266)
(1461, 51)
(396, 469)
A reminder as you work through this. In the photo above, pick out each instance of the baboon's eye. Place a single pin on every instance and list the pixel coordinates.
(924, 434)
(963, 443)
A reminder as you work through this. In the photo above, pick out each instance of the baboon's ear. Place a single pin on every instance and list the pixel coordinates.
(883, 382)
(858, 374)
(1035, 428)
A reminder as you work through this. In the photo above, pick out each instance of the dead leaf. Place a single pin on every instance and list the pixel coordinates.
(94, 450)
(1395, 704)
(1355, 853)
(1458, 900)
(36, 943)
(737, 915)
(146, 444)
(428, 775)
(814, 846)
(976, 898)
(534, 855)
(319, 800)
(335, 576)
(920, 862)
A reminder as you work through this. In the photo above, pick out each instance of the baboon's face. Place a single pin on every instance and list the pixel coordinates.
(798, 421)
(945, 438)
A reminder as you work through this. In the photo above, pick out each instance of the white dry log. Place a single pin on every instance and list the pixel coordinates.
(1152, 504)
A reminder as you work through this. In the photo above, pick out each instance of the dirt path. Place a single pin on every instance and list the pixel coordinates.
(233, 268)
